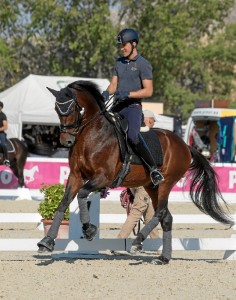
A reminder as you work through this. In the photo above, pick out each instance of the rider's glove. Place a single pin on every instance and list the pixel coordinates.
(105, 95)
(121, 96)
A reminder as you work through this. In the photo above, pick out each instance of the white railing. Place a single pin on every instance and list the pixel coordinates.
(73, 245)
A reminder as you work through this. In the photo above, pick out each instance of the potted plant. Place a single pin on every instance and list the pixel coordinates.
(53, 195)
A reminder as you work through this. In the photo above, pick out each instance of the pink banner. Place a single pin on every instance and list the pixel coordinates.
(226, 177)
(36, 172)
(51, 171)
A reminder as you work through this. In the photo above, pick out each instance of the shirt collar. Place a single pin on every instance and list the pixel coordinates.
(133, 59)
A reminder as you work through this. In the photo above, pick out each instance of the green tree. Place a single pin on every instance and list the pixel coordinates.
(60, 37)
(77, 38)
(171, 34)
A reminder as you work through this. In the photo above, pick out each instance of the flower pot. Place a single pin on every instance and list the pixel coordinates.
(63, 232)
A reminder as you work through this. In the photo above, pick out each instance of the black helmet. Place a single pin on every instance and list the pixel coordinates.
(127, 35)
(1, 104)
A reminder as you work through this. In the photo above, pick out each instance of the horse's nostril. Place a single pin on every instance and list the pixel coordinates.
(69, 143)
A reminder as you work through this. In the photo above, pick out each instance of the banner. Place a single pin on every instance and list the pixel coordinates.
(52, 170)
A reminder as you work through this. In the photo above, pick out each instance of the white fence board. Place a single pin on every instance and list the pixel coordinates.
(121, 244)
(109, 218)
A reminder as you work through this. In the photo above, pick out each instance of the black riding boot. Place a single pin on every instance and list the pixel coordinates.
(6, 161)
(146, 157)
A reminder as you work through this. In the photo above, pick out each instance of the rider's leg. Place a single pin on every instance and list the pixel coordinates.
(142, 150)
(6, 161)
(133, 115)
(5, 156)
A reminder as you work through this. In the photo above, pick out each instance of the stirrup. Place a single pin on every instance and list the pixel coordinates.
(6, 163)
(156, 177)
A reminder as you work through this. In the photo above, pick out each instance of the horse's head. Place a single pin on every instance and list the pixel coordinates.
(69, 113)
(77, 105)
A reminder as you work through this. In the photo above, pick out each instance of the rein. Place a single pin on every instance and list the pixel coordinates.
(76, 124)
(96, 115)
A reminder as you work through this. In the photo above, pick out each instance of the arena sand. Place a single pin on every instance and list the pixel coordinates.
(190, 274)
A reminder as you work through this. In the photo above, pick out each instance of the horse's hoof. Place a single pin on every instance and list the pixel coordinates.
(160, 260)
(46, 245)
(136, 249)
(90, 232)
(43, 249)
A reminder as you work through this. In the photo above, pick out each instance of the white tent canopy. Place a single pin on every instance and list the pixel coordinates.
(30, 102)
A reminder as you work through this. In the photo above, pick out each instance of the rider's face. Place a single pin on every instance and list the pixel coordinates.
(125, 48)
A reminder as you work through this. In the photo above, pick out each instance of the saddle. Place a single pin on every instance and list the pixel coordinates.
(9, 145)
(127, 154)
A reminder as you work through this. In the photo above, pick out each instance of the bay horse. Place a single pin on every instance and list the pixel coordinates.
(17, 157)
(95, 161)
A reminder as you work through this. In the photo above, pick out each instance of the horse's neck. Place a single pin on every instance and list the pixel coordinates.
(98, 131)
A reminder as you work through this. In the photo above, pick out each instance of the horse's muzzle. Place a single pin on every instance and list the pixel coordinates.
(67, 141)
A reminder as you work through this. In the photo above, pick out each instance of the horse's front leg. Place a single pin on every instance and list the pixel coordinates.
(47, 243)
(89, 230)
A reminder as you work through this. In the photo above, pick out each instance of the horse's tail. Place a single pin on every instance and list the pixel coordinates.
(204, 189)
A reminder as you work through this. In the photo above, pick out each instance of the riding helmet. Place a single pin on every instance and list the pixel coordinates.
(127, 35)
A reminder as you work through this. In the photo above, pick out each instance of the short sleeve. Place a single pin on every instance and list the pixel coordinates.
(146, 70)
(115, 70)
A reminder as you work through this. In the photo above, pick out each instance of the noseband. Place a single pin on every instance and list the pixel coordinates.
(65, 109)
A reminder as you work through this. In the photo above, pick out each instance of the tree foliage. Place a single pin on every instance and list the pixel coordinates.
(60, 37)
(172, 35)
(190, 48)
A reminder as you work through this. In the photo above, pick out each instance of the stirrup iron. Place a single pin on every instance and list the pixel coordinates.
(156, 177)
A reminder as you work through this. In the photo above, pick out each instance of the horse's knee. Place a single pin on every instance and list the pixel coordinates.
(85, 191)
(166, 219)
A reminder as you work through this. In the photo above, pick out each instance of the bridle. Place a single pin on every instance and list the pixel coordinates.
(76, 125)
(71, 106)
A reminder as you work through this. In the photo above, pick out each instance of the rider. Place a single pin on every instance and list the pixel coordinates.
(131, 82)
(3, 127)
(142, 205)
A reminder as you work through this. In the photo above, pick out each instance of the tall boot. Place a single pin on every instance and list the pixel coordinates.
(145, 155)
(5, 156)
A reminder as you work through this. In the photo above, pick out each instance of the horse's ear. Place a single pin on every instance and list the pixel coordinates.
(54, 92)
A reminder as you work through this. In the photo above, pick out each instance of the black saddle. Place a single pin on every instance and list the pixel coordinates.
(127, 154)
(150, 138)
(9, 145)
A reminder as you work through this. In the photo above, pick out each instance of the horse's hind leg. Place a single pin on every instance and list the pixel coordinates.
(137, 244)
(166, 220)
(17, 171)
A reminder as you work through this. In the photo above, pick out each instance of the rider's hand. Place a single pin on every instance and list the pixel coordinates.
(121, 96)
(105, 95)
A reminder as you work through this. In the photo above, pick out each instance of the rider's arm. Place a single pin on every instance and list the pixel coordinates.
(4, 125)
(113, 85)
(145, 92)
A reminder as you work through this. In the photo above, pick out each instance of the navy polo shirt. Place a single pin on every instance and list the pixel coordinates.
(130, 73)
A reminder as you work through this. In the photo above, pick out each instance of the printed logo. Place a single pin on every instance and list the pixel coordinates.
(30, 173)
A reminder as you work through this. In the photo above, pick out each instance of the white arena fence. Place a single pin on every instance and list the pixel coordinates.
(114, 195)
(76, 246)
